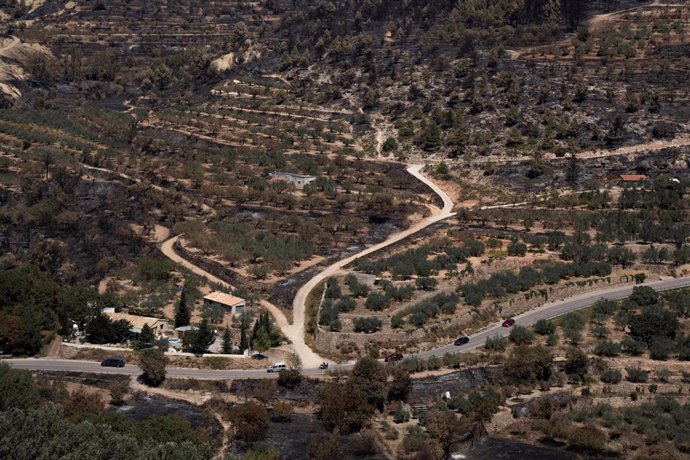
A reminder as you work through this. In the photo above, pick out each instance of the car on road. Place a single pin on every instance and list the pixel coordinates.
(113, 361)
(277, 367)
(508, 323)
(395, 356)
(461, 340)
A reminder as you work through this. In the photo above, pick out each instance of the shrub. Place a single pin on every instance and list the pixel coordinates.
(521, 335)
(401, 415)
(516, 248)
(376, 301)
(289, 378)
(426, 283)
(661, 348)
(397, 321)
(632, 347)
(496, 343)
(611, 376)
(607, 348)
(636, 375)
(346, 304)
(544, 327)
(605, 307)
(587, 437)
(663, 375)
(250, 421)
(367, 324)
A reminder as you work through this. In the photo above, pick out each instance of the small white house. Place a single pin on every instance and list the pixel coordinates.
(300, 180)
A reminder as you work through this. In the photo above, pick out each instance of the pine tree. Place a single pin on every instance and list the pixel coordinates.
(203, 338)
(146, 338)
(227, 341)
(182, 313)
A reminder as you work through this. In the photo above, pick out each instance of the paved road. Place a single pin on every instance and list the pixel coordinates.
(553, 309)
(547, 311)
(298, 304)
(71, 365)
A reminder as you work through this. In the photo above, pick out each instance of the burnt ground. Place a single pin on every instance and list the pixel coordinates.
(143, 406)
(293, 447)
(491, 448)
(428, 389)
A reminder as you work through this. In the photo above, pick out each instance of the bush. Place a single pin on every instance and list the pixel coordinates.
(587, 437)
(611, 376)
(544, 327)
(607, 348)
(426, 283)
(346, 304)
(661, 348)
(605, 308)
(367, 325)
(521, 335)
(250, 421)
(636, 375)
(397, 321)
(401, 415)
(376, 301)
(516, 248)
(496, 343)
(632, 347)
(289, 378)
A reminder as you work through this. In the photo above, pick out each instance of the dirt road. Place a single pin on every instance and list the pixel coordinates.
(298, 304)
(168, 249)
(295, 331)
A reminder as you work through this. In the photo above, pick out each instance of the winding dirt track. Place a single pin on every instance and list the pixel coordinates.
(295, 331)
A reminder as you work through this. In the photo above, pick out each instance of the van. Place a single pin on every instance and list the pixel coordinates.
(113, 361)
(277, 367)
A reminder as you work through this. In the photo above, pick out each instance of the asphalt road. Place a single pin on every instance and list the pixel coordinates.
(552, 310)
(547, 311)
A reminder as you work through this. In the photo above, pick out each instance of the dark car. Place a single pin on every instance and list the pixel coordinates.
(461, 340)
(114, 361)
(508, 322)
(396, 356)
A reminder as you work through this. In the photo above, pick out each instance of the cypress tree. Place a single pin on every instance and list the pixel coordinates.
(227, 341)
(182, 313)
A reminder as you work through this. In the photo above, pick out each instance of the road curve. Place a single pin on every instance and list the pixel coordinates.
(298, 304)
(547, 311)
(168, 249)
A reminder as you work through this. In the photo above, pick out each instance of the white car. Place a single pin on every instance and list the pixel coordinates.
(277, 367)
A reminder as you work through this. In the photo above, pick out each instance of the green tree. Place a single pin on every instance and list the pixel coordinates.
(203, 338)
(182, 313)
(521, 335)
(146, 338)
(152, 362)
(432, 135)
(370, 376)
(227, 341)
(576, 363)
(654, 321)
(344, 406)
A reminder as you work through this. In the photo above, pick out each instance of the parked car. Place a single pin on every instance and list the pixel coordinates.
(113, 361)
(395, 356)
(508, 323)
(277, 367)
(461, 340)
